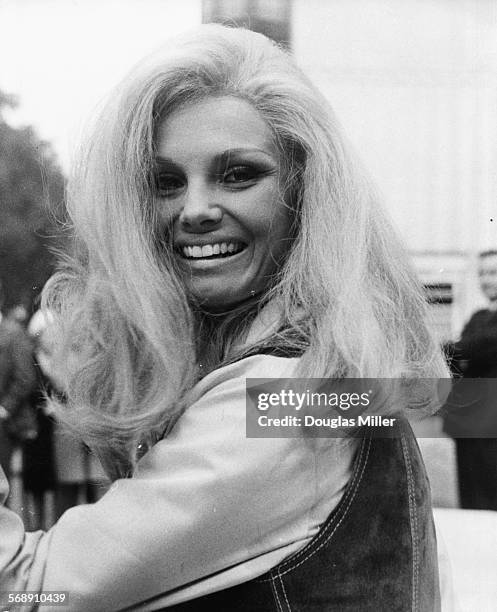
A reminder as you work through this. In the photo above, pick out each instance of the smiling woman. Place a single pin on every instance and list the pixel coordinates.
(220, 198)
(224, 231)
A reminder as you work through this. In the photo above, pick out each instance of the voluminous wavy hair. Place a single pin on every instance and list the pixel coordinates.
(130, 335)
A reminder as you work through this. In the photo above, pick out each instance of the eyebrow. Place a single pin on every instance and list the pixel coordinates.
(224, 156)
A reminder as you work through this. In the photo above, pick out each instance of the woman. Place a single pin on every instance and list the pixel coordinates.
(225, 233)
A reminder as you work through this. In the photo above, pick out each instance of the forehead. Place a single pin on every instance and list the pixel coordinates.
(488, 263)
(212, 125)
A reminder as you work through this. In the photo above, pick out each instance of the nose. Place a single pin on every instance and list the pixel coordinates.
(200, 212)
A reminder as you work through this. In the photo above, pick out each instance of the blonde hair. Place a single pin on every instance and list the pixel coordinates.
(347, 294)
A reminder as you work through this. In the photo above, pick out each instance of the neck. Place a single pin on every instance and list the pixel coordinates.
(222, 334)
(229, 310)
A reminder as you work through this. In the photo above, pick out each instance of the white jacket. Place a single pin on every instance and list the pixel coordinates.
(207, 508)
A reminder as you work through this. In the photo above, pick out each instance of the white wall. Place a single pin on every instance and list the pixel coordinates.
(415, 85)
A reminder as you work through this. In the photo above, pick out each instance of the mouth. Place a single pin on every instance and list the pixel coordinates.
(216, 250)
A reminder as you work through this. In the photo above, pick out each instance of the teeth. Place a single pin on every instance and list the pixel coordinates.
(209, 250)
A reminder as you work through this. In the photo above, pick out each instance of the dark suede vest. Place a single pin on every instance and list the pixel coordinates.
(376, 552)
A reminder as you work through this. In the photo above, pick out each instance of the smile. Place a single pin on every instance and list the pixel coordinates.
(212, 251)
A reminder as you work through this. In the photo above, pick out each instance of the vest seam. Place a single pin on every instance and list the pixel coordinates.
(284, 592)
(413, 523)
(331, 525)
(275, 595)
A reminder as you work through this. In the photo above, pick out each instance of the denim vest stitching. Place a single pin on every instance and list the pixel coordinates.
(398, 460)
(413, 524)
(312, 547)
(275, 594)
(284, 592)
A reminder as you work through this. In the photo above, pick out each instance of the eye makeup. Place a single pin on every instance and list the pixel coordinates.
(233, 169)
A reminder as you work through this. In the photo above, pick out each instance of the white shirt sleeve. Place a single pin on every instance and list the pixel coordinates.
(207, 506)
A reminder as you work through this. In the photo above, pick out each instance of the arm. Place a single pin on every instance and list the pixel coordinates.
(203, 501)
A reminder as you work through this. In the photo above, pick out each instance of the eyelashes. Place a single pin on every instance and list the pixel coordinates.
(237, 176)
(240, 174)
(167, 184)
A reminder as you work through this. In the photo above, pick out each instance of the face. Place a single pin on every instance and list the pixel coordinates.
(219, 194)
(488, 276)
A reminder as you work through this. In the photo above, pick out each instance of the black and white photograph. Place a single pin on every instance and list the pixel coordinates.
(248, 305)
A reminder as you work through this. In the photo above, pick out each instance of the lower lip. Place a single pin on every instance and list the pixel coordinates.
(209, 264)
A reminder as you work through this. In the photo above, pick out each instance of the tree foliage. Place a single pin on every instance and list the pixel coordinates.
(31, 210)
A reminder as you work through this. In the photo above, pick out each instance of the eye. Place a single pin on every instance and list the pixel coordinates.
(240, 175)
(168, 185)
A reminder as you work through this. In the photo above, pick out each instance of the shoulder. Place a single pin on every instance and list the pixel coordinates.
(210, 435)
(480, 318)
(209, 449)
(218, 401)
(255, 366)
(214, 421)
(482, 315)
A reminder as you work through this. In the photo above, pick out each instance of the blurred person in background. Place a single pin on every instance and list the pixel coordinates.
(38, 463)
(475, 356)
(54, 461)
(79, 477)
(17, 381)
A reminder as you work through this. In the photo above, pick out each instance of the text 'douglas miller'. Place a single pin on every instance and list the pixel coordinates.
(313, 407)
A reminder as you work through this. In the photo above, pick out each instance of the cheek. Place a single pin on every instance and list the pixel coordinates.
(268, 215)
(280, 222)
